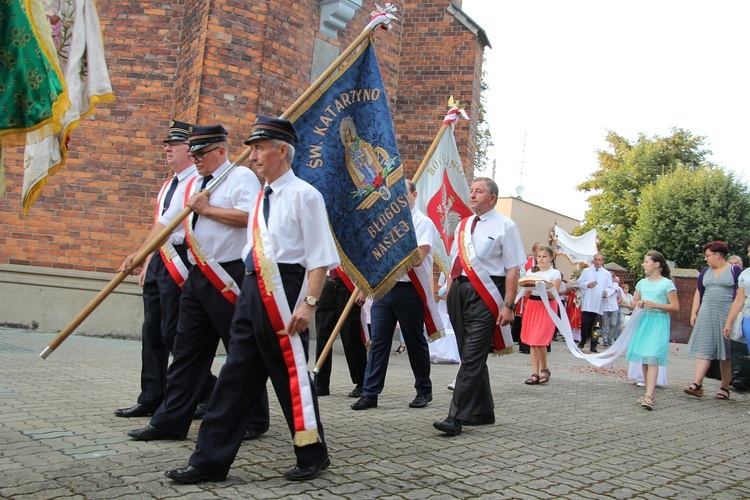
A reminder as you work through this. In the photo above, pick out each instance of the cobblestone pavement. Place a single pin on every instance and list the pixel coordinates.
(580, 436)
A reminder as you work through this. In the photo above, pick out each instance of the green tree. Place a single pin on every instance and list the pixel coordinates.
(624, 170)
(684, 209)
(484, 137)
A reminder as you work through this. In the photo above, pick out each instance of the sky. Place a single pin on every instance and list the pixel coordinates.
(562, 74)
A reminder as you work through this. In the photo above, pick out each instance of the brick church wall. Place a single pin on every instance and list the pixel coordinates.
(217, 62)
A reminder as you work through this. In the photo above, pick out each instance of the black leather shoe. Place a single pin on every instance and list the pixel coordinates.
(324, 391)
(421, 401)
(151, 433)
(581, 345)
(450, 426)
(191, 475)
(480, 420)
(356, 392)
(138, 410)
(250, 435)
(200, 411)
(365, 402)
(309, 472)
(593, 349)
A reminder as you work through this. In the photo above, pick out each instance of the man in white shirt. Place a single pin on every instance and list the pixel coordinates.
(402, 304)
(161, 277)
(216, 234)
(289, 247)
(596, 284)
(498, 253)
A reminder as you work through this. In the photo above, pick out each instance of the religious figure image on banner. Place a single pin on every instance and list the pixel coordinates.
(370, 168)
(347, 151)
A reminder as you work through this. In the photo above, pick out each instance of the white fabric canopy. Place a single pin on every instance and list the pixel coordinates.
(577, 249)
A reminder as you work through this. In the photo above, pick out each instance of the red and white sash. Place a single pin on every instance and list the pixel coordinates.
(172, 260)
(485, 287)
(216, 274)
(364, 332)
(421, 278)
(274, 301)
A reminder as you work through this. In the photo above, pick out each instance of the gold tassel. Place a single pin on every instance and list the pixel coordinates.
(304, 438)
(437, 335)
(504, 352)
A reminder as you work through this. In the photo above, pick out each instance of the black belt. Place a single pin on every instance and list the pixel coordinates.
(283, 269)
(534, 297)
(465, 279)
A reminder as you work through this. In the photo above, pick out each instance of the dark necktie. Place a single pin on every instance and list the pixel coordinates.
(266, 205)
(249, 261)
(170, 193)
(457, 266)
(206, 180)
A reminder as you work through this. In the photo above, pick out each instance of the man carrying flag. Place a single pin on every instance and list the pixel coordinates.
(288, 251)
(161, 277)
(487, 254)
(411, 304)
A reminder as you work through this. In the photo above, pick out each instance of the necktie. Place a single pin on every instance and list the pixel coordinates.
(249, 261)
(457, 266)
(205, 181)
(170, 193)
(266, 205)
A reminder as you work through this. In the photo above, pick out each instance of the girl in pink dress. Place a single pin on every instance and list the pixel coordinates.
(537, 328)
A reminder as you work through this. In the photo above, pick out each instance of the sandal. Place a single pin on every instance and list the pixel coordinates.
(545, 376)
(722, 394)
(400, 350)
(694, 390)
(647, 403)
(533, 380)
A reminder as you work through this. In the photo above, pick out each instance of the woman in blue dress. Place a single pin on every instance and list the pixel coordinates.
(657, 295)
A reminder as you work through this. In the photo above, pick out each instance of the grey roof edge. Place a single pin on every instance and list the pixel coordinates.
(470, 25)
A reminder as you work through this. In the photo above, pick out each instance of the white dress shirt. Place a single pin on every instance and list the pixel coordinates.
(178, 198)
(297, 225)
(238, 190)
(427, 234)
(497, 244)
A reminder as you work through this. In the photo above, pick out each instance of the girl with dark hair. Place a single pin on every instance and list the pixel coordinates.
(657, 295)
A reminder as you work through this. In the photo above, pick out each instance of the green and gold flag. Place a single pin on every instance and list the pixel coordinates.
(33, 95)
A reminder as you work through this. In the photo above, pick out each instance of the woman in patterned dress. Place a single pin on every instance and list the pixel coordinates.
(657, 295)
(711, 303)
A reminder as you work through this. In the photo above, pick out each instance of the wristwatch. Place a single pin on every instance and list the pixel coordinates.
(511, 306)
(311, 301)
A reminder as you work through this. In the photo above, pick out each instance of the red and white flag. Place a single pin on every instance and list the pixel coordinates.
(444, 191)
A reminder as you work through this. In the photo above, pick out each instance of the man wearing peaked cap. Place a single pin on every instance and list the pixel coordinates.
(289, 244)
(266, 127)
(161, 277)
(215, 235)
(202, 136)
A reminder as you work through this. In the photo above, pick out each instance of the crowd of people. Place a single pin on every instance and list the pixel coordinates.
(254, 266)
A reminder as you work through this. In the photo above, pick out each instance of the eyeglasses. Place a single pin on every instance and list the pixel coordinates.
(199, 156)
(708, 255)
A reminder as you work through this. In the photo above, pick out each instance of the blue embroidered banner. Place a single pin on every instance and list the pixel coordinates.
(347, 150)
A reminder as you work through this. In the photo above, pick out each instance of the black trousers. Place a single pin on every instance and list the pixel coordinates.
(332, 303)
(205, 318)
(588, 320)
(255, 354)
(403, 305)
(161, 305)
(474, 325)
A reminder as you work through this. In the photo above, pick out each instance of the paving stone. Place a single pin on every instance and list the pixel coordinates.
(581, 436)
